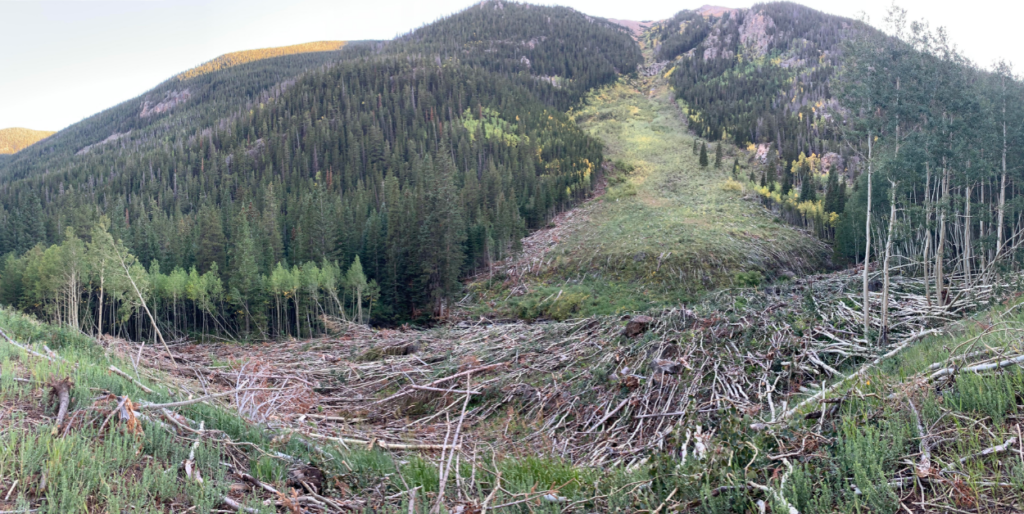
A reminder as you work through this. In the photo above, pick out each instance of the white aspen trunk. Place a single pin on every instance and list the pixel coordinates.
(867, 247)
(927, 228)
(99, 326)
(940, 248)
(1002, 187)
(967, 235)
(883, 336)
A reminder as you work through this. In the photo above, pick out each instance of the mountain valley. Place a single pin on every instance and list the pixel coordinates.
(524, 259)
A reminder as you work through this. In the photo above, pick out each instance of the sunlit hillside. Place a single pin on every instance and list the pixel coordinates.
(12, 140)
(246, 56)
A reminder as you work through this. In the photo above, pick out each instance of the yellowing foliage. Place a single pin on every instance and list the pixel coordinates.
(494, 127)
(732, 185)
(246, 56)
(13, 140)
(814, 162)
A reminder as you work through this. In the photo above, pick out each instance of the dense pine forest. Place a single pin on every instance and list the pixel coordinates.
(367, 186)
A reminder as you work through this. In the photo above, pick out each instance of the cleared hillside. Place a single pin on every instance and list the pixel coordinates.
(247, 56)
(13, 140)
(665, 230)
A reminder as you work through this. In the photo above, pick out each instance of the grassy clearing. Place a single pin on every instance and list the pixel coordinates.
(665, 231)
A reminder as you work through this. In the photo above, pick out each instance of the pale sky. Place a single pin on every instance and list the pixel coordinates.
(63, 60)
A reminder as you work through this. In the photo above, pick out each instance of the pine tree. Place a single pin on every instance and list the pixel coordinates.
(718, 155)
(211, 240)
(787, 182)
(808, 190)
(245, 269)
(703, 155)
(832, 200)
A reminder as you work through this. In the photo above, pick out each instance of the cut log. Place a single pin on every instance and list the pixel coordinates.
(638, 325)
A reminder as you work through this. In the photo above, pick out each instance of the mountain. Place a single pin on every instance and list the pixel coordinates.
(181, 102)
(756, 75)
(426, 157)
(14, 140)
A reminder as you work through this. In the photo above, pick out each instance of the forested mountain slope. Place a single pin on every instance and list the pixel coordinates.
(14, 140)
(171, 109)
(417, 161)
(757, 75)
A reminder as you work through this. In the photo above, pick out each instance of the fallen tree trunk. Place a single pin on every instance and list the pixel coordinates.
(62, 390)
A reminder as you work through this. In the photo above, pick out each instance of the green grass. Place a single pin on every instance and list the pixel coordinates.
(666, 231)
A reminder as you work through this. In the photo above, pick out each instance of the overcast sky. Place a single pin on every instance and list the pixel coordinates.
(61, 61)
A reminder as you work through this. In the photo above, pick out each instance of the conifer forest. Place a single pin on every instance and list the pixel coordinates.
(527, 259)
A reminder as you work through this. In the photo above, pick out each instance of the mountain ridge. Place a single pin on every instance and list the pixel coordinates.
(15, 139)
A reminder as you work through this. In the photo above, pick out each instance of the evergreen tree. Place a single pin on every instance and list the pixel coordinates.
(210, 249)
(703, 155)
(808, 190)
(718, 155)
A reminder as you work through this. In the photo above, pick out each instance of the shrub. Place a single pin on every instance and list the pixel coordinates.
(749, 278)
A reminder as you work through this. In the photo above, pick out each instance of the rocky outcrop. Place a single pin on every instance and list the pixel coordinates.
(110, 139)
(170, 100)
(754, 33)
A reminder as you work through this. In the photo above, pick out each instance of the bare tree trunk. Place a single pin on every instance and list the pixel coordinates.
(927, 227)
(967, 234)
(940, 248)
(867, 246)
(152, 320)
(883, 336)
(100, 317)
(1002, 187)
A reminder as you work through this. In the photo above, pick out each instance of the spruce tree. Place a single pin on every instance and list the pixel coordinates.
(787, 182)
(808, 191)
(832, 192)
(718, 155)
(703, 155)
(211, 240)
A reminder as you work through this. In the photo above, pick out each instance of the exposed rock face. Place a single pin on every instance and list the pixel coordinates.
(170, 100)
(754, 33)
(830, 161)
(638, 325)
(110, 139)
(716, 46)
(761, 153)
